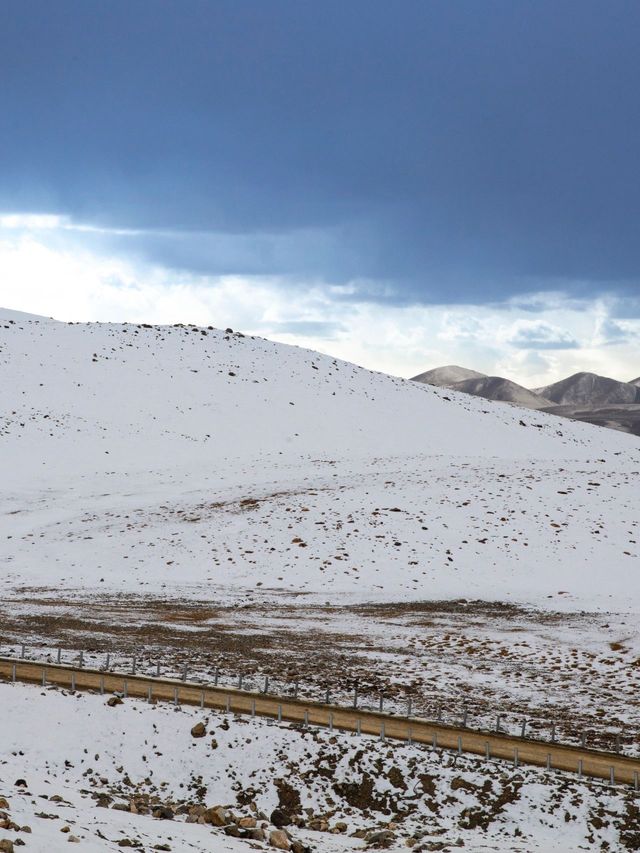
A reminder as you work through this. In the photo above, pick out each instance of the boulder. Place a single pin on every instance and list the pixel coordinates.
(163, 813)
(199, 730)
(279, 818)
(255, 834)
(6, 846)
(112, 701)
(217, 816)
(380, 838)
(278, 839)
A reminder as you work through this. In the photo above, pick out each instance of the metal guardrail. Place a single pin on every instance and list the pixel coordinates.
(613, 767)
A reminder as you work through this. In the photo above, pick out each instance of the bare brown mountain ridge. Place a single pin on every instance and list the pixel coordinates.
(583, 396)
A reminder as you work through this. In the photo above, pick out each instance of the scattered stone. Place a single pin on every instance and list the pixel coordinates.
(199, 730)
(217, 816)
(278, 839)
(279, 818)
(112, 701)
(380, 838)
(163, 813)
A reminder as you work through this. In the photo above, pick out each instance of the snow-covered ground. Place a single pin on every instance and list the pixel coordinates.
(191, 462)
(197, 496)
(79, 758)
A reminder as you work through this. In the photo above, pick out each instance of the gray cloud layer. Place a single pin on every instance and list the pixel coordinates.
(440, 151)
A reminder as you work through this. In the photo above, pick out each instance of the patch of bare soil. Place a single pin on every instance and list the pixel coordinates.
(454, 660)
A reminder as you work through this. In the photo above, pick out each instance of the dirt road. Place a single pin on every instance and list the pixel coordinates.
(602, 765)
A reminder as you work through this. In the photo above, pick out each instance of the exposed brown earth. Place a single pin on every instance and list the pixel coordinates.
(448, 658)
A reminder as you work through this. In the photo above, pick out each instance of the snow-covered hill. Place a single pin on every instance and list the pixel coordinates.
(184, 460)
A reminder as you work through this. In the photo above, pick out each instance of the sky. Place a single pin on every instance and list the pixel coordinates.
(400, 184)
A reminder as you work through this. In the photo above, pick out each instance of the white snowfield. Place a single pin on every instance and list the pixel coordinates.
(193, 462)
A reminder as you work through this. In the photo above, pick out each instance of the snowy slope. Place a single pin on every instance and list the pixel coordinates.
(180, 460)
(337, 786)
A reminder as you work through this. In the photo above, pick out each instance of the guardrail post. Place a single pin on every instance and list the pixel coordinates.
(409, 707)
(44, 676)
(124, 688)
(215, 677)
(612, 775)
(150, 694)
(59, 655)
(22, 651)
(580, 769)
(355, 694)
(635, 779)
(327, 697)
(515, 758)
(358, 726)
(523, 729)
(553, 733)
(13, 673)
(266, 684)
(548, 761)
(184, 673)
(459, 745)
(158, 669)
(618, 741)
(202, 699)
(381, 701)
(175, 695)
(487, 750)
(279, 713)
(410, 736)
(464, 718)
(382, 738)
(133, 667)
(295, 690)
(228, 707)
(102, 685)
(306, 718)
(330, 722)
(81, 659)
(240, 677)
(583, 740)
(498, 718)
(107, 662)
(73, 682)
(253, 707)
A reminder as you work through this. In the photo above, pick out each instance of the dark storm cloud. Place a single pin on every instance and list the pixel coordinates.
(453, 151)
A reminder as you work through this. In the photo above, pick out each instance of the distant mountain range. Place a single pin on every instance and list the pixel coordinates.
(583, 396)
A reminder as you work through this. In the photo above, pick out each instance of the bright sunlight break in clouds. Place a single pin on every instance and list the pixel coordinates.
(48, 267)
